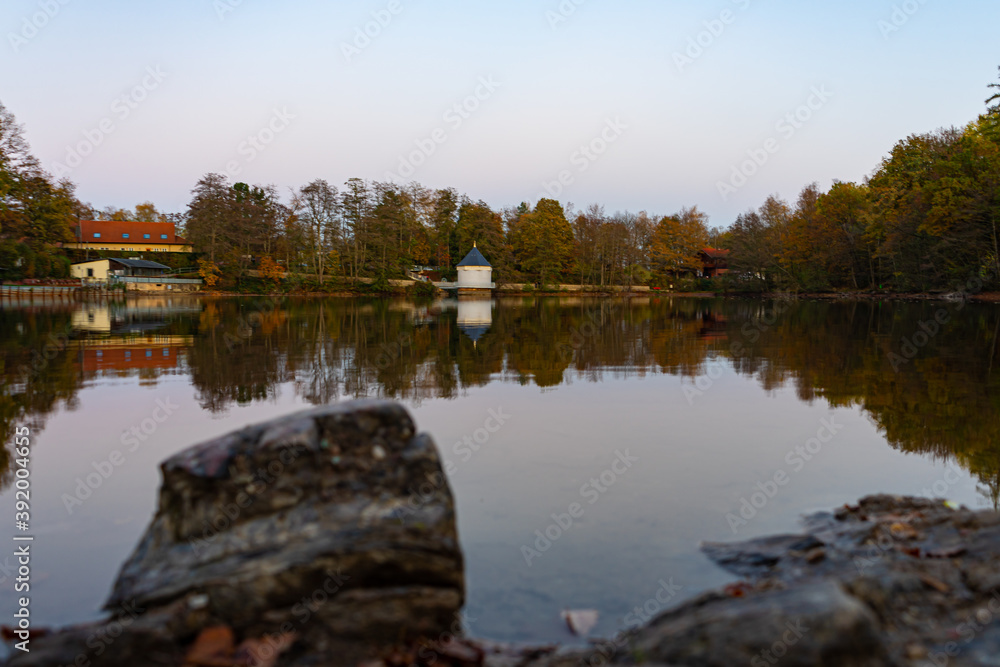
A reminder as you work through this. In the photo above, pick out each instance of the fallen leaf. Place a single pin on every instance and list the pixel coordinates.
(737, 590)
(936, 584)
(816, 555)
(903, 531)
(580, 621)
(213, 648)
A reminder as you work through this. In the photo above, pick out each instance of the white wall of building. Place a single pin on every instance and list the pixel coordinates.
(475, 277)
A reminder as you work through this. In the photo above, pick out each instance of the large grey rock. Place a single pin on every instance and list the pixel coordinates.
(336, 524)
(342, 508)
(811, 626)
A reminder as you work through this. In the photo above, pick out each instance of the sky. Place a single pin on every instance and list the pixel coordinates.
(638, 105)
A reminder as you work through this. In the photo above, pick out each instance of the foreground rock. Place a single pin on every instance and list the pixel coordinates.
(335, 527)
(892, 581)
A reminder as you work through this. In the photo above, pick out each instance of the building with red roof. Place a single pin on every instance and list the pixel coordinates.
(123, 236)
(714, 262)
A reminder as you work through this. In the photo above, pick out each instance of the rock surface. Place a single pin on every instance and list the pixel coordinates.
(891, 581)
(336, 524)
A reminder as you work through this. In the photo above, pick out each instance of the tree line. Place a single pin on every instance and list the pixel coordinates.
(381, 229)
(926, 219)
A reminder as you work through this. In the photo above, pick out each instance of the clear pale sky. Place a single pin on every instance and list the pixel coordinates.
(226, 70)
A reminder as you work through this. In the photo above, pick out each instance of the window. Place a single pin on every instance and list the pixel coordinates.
(97, 235)
(163, 236)
(90, 273)
(124, 236)
(145, 236)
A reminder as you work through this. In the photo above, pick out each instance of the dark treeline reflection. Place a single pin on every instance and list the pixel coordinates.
(931, 388)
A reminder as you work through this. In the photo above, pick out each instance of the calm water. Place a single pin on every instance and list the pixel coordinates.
(653, 421)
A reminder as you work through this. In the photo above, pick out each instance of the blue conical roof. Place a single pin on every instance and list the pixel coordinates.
(474, 258)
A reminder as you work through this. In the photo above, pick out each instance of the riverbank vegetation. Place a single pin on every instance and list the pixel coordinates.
(927, 218)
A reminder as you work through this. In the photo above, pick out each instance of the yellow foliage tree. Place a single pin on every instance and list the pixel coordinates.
(209, 271)
(271, 270)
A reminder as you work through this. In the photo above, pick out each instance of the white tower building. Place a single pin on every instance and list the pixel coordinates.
(475, 275)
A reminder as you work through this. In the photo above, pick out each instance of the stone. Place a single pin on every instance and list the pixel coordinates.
(337, 524)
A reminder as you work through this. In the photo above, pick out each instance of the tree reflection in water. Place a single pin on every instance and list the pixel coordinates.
(943, 402)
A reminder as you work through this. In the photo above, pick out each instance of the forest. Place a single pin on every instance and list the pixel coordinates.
(925, 219)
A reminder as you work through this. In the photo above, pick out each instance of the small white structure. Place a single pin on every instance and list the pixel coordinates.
(475, 275)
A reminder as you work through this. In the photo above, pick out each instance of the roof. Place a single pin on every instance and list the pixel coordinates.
(474, 258)
(715, 253)
(139, 263)
(111, 231)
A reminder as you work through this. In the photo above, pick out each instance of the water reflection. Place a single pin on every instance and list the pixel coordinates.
(929, 390)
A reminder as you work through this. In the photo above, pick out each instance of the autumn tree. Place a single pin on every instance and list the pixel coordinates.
(478, 224)
(318, 204)
(676, 242)
(542, 241)
(356, 205)
(210, 215)
(36, 213)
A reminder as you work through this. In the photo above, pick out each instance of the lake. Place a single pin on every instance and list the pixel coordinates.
(591, 444)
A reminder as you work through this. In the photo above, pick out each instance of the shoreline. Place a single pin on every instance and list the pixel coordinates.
(984, 297)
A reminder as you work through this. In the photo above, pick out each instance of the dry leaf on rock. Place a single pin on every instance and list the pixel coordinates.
(580, 621)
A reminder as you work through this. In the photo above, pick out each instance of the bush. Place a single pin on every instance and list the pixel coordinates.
(379, 286)
(423, 290)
